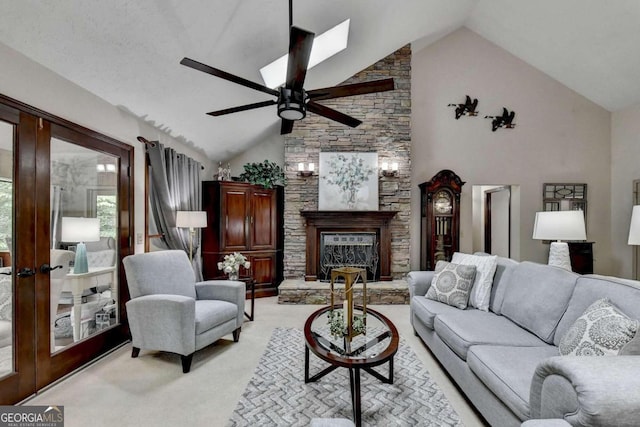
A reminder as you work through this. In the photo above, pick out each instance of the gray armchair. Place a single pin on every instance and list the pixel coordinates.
(169, 311)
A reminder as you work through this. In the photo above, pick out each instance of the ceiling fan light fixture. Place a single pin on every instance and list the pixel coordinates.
(291, 104)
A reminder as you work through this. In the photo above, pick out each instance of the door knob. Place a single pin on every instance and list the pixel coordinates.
(26, 272)
(46, 268)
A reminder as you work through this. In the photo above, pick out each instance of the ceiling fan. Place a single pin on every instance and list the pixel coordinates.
(292, 100)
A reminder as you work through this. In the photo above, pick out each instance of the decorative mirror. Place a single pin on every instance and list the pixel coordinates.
(564, 197)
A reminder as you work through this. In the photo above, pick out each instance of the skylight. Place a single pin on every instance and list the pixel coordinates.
(325, 46)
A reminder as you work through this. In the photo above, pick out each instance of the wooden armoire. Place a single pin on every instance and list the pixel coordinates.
(244, 218)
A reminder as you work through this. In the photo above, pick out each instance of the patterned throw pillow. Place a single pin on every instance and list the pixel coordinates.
(602, 330)
(485, 270)
(452, 284)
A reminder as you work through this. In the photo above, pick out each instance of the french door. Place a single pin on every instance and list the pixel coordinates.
(53, 316)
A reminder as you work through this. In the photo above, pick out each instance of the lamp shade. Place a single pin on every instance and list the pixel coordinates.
(559, 225)
(76, 229)
(191, 219)
(634, 228)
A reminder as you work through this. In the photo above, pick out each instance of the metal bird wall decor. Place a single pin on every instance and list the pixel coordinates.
(466, 109)
(505, 120)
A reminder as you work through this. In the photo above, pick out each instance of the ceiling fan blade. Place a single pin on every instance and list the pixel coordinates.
(332, 114)
(286, 127)
(242, 108)
(352, 89)
(300, 42)
(224, 75)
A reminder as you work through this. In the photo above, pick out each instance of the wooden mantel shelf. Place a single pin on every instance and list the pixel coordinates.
(347, 221)
(342, 214)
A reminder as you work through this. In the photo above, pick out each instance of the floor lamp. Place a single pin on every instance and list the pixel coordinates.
(191, 220)
(559, 225)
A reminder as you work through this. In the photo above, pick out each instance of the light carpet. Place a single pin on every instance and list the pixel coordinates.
(277, 395)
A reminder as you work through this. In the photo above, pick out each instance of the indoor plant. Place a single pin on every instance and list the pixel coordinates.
(266, 174)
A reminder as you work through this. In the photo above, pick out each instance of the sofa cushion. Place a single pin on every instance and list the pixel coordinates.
(452, 284)
(537, 297)
(211, 313)
(501, 280)
(485, 270)
(601, 330)
(632, 348)
(624, 294)
(507, 372)
(461, 329)
(427, 310)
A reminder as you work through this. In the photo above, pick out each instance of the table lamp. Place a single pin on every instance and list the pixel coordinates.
(191, 220)
(80, 230)
(559, 225)
(634, 227)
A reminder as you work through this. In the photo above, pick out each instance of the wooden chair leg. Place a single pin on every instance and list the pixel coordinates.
(236, 334)
(135, 351)
(186, 363)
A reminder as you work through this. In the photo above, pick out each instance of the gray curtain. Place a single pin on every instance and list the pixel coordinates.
(175, 186)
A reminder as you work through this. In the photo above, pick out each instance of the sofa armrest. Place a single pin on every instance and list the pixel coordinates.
(588, 391)
(163, 322)
(419, 282)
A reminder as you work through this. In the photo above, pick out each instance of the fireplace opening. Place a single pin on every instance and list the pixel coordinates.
(348, 249)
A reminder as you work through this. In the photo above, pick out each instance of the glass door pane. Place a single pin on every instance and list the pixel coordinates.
(84, 253)
(7, 131)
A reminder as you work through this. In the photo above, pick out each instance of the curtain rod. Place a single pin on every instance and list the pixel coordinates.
(153, 144)
(146, 141)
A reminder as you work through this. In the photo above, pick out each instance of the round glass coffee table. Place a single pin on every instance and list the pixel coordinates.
(376, 347)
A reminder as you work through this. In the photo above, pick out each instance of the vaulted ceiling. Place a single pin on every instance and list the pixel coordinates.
(128, 51)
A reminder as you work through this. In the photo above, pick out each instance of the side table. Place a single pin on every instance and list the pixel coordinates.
(251, 285)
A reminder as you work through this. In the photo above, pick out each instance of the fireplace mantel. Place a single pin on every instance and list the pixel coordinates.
(347, 221)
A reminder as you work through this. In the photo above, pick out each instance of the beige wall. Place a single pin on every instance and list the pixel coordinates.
(35, 85)
(625, 155)
(560, 136)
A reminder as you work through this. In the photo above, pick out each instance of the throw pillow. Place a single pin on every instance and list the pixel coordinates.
(452, 284)
(485, 270)
(602, 330)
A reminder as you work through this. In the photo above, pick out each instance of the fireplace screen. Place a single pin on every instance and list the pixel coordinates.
(348, 250)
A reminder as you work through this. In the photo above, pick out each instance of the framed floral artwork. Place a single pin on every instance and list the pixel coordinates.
(348, 181)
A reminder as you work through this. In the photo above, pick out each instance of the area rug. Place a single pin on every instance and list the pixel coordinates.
(277, 395)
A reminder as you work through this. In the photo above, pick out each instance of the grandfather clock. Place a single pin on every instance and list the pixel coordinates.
(440, 218)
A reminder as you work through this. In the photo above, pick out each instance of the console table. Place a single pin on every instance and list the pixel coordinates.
(99, 276)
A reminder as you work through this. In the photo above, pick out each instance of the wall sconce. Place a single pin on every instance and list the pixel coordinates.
(306, 173)
(389, 172)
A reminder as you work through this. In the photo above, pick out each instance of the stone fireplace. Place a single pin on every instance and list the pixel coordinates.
(385, 130)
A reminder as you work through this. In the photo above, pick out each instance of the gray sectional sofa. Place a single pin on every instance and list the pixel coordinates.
(507, 360)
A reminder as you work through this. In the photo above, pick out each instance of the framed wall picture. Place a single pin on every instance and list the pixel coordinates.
(348, 181)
